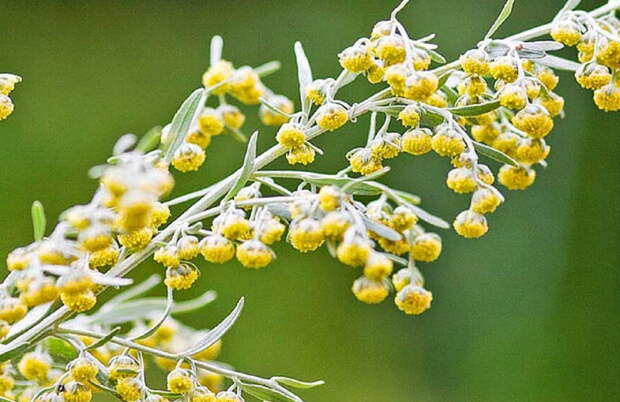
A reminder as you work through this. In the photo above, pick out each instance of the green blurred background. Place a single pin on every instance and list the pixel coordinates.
(528, 313)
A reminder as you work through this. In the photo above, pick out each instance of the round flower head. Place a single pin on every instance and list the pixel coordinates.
(228, 396)
(409, 116)
(271, 231)
(403, 219)
(553, 103)
(382, 28)
(188, 157)
(404, 277)
(188, 247)
(104, 257)
(355, 59)
(211, 122)
(83, 369)
(95, 238)
(168, 256)
(396, 76)
(245, 86)
(470, 224)
(548, 78)
(447, 141)
(18, 259)
(331, 116)
(513, 97)
(76, 282)
(254, 254)
(76, 392)
(426, 247)
(123, 366)
(232, 115)
(7, 83)
(375, 72)
(217, 74)
(303, 154)
(485, 200)
(593, 76)
(475, 61)
(607, 98)
(566, 32)
(609, 54)
(420, 85)
(413, 299)
(136, 239)
(79, 302)
(6, 106)
(291, 135)
(378, 266)
(507, 142)
(203, 394)
(181, 277)
(390, 49)
(516, 178)
(34, 366)
(485, 174)
(200, 138)
(362, 161)
(52, 253)
(353, 251)
(306, 235)
(386, 146)
(180, 381)
(335, 224)
(370, 291)
(504, 68)
(534, 120)
(532, 88)
(130, 389)
(461, 180)
(420, 59)
(417, 141)
(398, 247)
(315, 91)
(39, 292)
(531, 151)
(5, 328)
(329, 198)
(233, 226)
(271, 118)
(438, 99)
(473, 86)
(486, 133)
(217, 249)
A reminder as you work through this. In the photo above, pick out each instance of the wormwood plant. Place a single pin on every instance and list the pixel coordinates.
(497, 101)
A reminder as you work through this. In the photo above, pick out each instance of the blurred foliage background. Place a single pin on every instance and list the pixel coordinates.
(530, 312)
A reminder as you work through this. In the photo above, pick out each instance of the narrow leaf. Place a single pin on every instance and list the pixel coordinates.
(381, 229)
(570, 5)
(104, 340)
(217, 332)
(543, 45)
(272, 107)
(266, 394)
(133, 291)
(268, 68)
(194, 304)
(150, 140)
(7, 352)
(162, 319)
(38, 220)
(60, 349)
(503, 15)
(436, 57)
(246, 170)
(494, 154)
(217, 43)
(291, 382)
(304, 75)
(559, 63)
(475, 110)
(444, 78)
(182, 121)
(411, 198)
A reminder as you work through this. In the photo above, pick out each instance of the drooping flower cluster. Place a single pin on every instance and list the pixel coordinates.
(7, 84)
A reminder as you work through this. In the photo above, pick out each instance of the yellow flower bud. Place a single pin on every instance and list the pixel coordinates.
(470, 224)
(417, 141)
(413, 299)
(254, 254)
(516, 178)
(370, 291)
(426, 247)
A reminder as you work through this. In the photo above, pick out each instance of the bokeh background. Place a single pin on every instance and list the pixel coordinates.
(528, 313)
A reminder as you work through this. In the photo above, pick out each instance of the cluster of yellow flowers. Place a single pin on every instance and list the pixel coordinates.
(7, 84)
(598, 44)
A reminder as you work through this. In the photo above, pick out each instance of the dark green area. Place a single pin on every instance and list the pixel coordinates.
(529, 313)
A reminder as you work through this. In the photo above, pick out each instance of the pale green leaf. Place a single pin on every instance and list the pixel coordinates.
(494, 154)
(291, 382)
(150, 140)
(182, 121)
(38, 220)
(105, 339)
(304, 75)
(60, 349)
(246, 169)
(266, 394)
(475, 110)
(503, 15)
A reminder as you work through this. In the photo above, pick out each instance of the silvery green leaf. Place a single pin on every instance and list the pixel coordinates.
(60, 349)
(194, 304)
(503, 15)
(7, 352)
(268, 68)
(436, 57)
(543, 45)
(494, 154)
(411, 198)
(559, 63)
(422, 214)
(106, 280)
(280, 209)
(133, 291)
(475, 110)
(150, 140)
(496, 50)
(331, 248)
(182, 121)
(3, 399)
(217, 332)
(304, 75)
(162, 319)
(195, 228)
(33, 316)
(124, 143)
(217, 43)
(38, 220)
(444, 78)
(272, 107)
(451, 94)
(531, 54)
(105, 339)
(570, 5)
(291, 382)
(267, 394)
(96, 172)
(381, 229)
(346, 78)
(246, 169)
